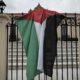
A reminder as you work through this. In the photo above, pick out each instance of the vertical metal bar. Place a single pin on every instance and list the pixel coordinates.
(11, 53)
(39, 77)
(56, 68)
(56, 56)
(62, 52)
(7, 55)
(17, 56)
(79, 30)
(22, 56)
(22, 60)
(76, 46)
(52, 78)
(45, 77)
(11, 60)
(71, 48)
(66, 44)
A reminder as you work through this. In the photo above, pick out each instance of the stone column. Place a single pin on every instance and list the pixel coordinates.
(4, 19)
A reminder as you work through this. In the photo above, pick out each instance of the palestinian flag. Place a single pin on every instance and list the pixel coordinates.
(32, 28)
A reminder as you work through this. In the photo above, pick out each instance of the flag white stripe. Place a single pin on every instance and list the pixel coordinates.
(40, 58)
(38, 29)
(40, 32)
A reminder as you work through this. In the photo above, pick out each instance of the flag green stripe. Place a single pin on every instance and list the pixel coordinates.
(33, 53)
(30, 41)
(24, 27)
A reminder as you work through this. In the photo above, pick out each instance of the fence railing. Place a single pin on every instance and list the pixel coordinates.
(66, 66)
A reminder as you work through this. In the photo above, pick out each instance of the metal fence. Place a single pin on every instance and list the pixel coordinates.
(66, 66)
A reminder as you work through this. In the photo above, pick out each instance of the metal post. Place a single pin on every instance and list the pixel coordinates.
(12, 36)
(1, 10)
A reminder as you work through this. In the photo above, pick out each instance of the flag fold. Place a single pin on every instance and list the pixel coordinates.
(38, 29)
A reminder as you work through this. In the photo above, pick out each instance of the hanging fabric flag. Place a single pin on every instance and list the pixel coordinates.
(31, 27)
(50, 43)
